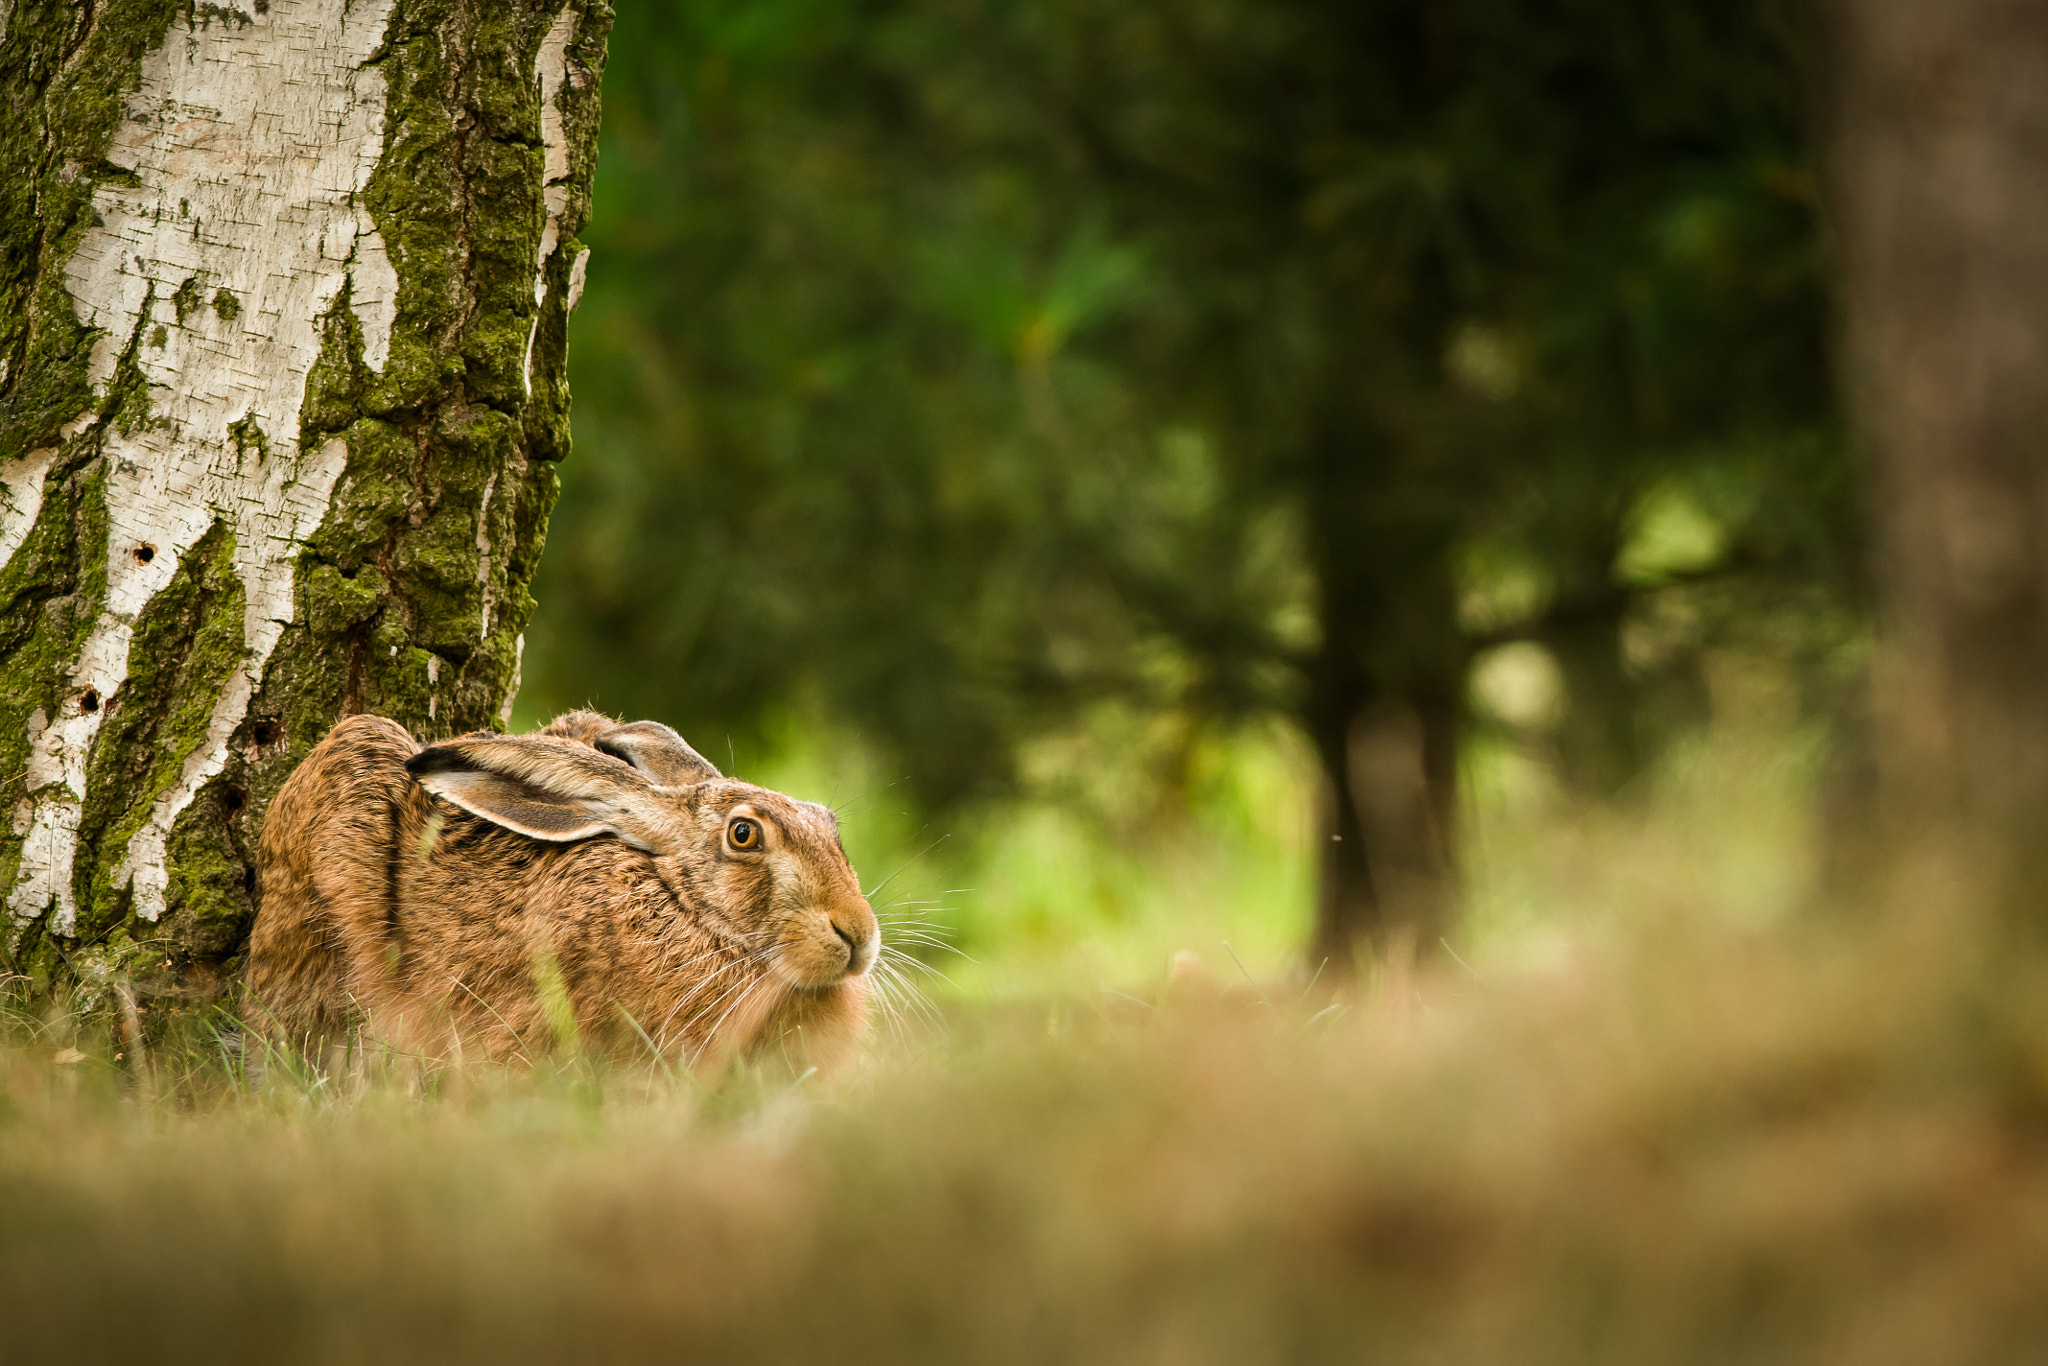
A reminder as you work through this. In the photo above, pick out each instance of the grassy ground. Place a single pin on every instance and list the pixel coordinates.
(1749, 1146)
(1650, 1110)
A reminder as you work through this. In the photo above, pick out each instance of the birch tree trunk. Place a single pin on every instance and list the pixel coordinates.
(1940, 195)
(283, 290)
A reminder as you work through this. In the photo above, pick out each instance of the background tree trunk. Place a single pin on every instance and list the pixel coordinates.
(1385, 709)
(283, 289)
(1940, 187)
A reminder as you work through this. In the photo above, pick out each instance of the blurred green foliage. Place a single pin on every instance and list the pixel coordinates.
(961, 375)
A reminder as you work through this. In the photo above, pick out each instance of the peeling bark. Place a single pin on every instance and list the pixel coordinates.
(283, 289)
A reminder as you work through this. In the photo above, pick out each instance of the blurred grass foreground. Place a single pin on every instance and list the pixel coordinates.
(1707, 1148)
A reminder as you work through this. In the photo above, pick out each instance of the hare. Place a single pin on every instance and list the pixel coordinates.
(441, 890)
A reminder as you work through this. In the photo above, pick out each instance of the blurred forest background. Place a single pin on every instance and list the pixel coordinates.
(1223, 471)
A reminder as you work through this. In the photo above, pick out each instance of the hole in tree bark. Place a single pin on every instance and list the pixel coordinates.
(232, 800)
(89, 700)
(145, 553)
(264, 732)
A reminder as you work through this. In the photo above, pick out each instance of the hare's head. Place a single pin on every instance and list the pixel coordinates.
(755, 866)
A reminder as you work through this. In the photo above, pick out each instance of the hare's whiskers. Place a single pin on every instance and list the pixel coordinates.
(694, 992)
(896, 985)
(895, 957)
(898, 933)
(759, 955)
(752, 987)
(877, 891)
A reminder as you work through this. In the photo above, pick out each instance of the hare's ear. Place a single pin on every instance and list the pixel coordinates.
(543, 787)
(649, 746)
(581, 726)
(658, 752)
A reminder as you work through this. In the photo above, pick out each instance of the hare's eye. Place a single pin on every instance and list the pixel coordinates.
(744, 834)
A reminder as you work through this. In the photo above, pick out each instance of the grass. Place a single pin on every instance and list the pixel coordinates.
(1751, 1145)
(1652, 1108)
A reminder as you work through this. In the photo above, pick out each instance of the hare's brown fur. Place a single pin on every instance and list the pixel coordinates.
(437, 922)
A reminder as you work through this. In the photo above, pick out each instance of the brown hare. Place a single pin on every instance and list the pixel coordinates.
(435, 890)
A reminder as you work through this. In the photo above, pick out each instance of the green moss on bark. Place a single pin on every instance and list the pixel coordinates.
(445, 499)
(63, 71)
(410, 597)
(187, 645)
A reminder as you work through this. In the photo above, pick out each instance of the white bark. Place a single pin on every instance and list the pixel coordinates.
(579, 271)
(551, 68)
(21, 489)
(251, 142)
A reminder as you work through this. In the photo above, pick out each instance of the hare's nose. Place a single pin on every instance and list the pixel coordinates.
(857, 950)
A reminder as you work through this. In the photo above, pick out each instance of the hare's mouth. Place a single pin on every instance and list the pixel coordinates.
(819, 957)
(860, 953)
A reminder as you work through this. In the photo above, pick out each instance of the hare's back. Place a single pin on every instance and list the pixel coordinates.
(334, 819)
(323, 869)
